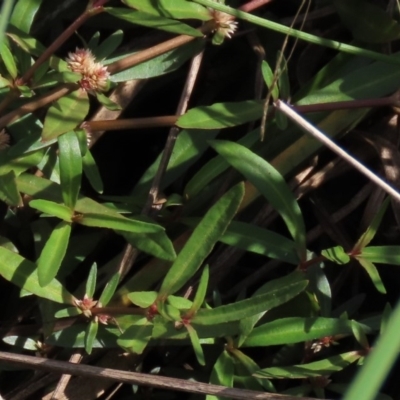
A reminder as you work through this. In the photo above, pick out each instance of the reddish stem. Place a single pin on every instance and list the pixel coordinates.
(252, 5)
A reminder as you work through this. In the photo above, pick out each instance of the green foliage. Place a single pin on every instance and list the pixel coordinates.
(209, 244)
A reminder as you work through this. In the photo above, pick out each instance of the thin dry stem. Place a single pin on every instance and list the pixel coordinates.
(135, 378)
(290, 113)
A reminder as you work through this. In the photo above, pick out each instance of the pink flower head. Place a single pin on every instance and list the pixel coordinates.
(94, 74)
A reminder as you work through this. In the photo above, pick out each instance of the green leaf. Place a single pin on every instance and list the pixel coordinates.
(9, 191)
(198, 351)
(160, 65)
(91, 281)
(369, 234)
(375, 26)
(178, 9)
(91, 333)
(368, 381)
(109, 45)
(75, 337)
(53, 253)
(215, 167)
(246, 308)
(222, 373)
(92, 173)
(270, 183)
(70, 167)
(260, 241)
(359, 333)
(22, 342)
(23, 273)
(8, 60)
(201, 292)
(136, 336)
(382, 254)
(143, 299)
(109, 289)
(221, 115)
(107, 103)
(336, 255)
(24, 13)
(268, 76)
(51, 208)
(296, 330)
(202, 241)
(250, 367)
(153, 21)
(157, 244)
(118, 223)
(314, 369)
(179, 302)
(65, 114)
(68, 312)
(373, 273)
(321, 288)
(189, 146)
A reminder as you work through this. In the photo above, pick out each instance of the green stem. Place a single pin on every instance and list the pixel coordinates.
(332, 44)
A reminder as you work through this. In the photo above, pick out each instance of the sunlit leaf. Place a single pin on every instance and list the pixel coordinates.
(91, 333)
(109, 289)
(222, 373)
(51, 208)
(369, 234)
(9, 191)
(53, 253)
(160, 65)
(202, 241)
(8, 60)
(198, 351)
(142, 299)
(179, 9)
(372, 272)
(23, 273)
(153, 21)
(91, 281)
(336, 255)
(221, 115)
(246, 308)
(70, 167)
(295, 330)
(65, 114)
(261, 241)
(314, 369)
(271, 184)
(24, 13)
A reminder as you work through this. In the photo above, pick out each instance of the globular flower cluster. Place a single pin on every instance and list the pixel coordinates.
(225, 23)
(94, 74)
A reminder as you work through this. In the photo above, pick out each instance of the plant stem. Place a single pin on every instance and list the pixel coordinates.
(332, 44)
(131, 123)
(254, 4)
(290, 113)
(41, 101)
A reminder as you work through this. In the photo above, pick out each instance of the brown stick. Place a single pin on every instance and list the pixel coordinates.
(135, 378)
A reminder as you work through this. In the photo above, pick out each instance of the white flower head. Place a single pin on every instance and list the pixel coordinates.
(94, 74)
(225, 23)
